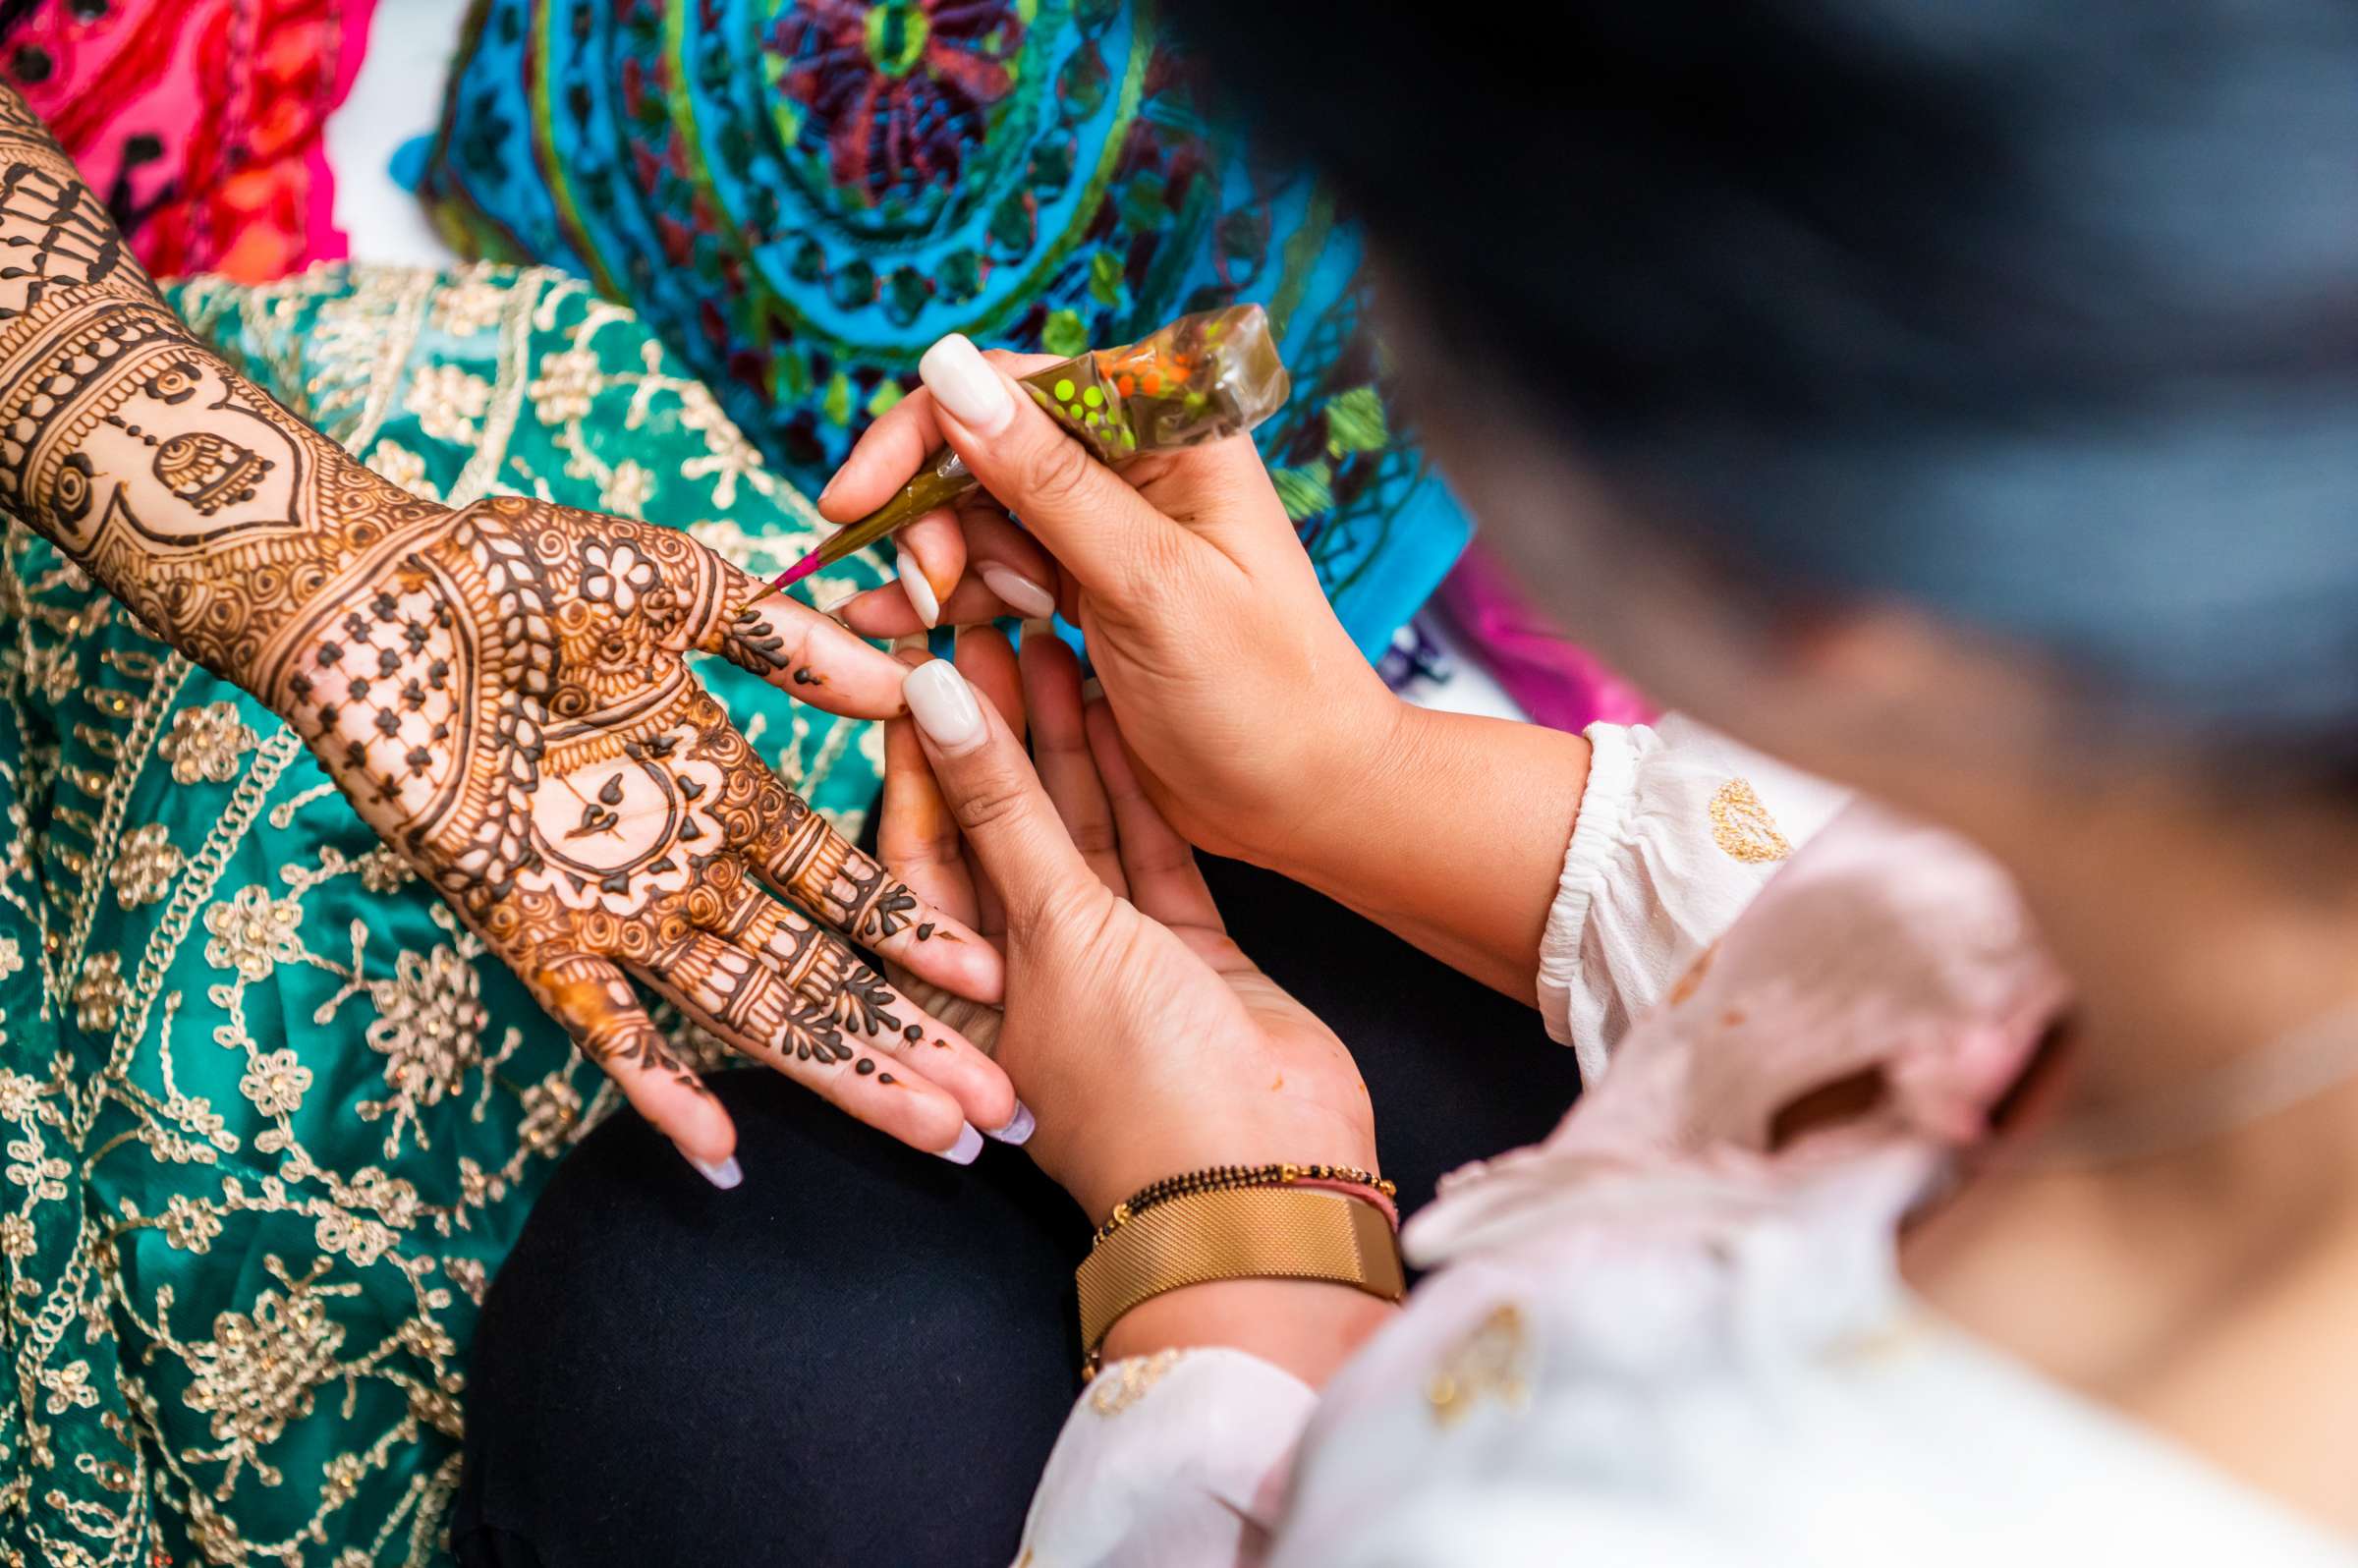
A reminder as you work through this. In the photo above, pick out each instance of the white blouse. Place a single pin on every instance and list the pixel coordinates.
(1654, 1338)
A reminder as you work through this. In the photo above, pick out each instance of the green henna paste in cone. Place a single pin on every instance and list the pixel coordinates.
(1202, 378)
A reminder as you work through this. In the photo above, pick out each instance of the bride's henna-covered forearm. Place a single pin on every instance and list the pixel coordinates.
(200, 503)
(501, 690)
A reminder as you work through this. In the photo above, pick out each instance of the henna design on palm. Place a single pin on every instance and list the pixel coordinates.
(502, 692)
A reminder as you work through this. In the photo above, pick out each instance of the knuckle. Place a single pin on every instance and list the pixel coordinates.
(997, 799)
(1055, 472)
(1094, 836)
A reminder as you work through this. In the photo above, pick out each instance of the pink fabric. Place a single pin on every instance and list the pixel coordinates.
(1884, 945)
(201, 121)
(1553, 678)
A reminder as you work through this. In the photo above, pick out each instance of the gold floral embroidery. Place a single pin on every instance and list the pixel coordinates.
(188, 1225)
(99, 994)
(258, 1371)
(732, 457)
(145, 866)
(392, 461)
(552, 1110)
(384, 872)
(69, 1387)
(449, 402)
(1117, 1387)
(1743, 828)
(568, 383)
(469, 306)
(1493, 1361)
(429, 1025)
(206, 743)
(276, 1083)
(253, 931)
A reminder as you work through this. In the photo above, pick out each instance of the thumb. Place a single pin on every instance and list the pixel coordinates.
(1108, 536)
(1008, 819)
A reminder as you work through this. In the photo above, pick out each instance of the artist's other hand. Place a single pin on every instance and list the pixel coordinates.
(1247, 708)
(1146, 1041)
(503, 693)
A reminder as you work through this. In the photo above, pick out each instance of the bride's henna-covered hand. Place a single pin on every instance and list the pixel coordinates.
(501, 690)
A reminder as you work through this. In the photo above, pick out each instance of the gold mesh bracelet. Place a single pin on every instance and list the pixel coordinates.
(1247, 1233)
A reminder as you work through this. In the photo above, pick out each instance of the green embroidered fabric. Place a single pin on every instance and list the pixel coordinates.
(271, 1118)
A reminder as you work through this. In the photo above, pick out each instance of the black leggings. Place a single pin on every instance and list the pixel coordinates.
(864, 1353)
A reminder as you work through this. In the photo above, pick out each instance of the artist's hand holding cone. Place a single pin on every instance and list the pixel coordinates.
(1242, 700)
(1144, 1039)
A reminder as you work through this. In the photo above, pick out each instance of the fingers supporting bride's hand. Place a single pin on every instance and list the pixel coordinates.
(1060, 752)
(996, 798)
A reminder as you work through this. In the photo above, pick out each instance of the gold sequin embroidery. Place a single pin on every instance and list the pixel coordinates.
(1493, 1361)
(1742, 827)
(1117, 1387)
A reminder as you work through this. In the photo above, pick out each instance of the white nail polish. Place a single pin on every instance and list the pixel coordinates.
(964, 383)
(919, 591)
(1019, 1126)
(968, 1145)
(723, 1175)
(914, 642)
(943, 705)
(835, 605)
(1017, 591)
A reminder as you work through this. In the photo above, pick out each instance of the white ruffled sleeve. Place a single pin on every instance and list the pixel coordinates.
(1679, 827)
(1176, 1460)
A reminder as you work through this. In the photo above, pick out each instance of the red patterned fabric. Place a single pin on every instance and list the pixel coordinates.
(200, 121)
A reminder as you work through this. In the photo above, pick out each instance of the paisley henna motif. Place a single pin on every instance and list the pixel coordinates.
(502, 692)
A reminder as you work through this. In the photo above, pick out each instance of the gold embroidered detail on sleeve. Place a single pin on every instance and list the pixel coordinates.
(1117, 1387)
(1742, 827)
(1493, 1361)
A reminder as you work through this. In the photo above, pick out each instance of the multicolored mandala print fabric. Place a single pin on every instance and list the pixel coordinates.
(802, 195)
(270, 1117)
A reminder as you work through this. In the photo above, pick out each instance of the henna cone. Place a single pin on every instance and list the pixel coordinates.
(1202, 378)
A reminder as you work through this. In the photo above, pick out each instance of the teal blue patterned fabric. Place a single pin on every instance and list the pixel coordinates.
(802, 195)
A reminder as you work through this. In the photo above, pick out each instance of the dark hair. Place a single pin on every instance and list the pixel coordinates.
(2043, 315)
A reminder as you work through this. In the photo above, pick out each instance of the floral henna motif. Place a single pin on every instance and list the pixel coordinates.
(502, 692)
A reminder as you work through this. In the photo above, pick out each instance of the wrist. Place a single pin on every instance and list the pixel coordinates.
(1358, 763)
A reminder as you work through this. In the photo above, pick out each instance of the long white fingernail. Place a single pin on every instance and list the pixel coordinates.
(919, 591)
(1019, 1126)
(1017, 591)
(964, 383)
(722, 1174)
(968, 1145)
(943, 704)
